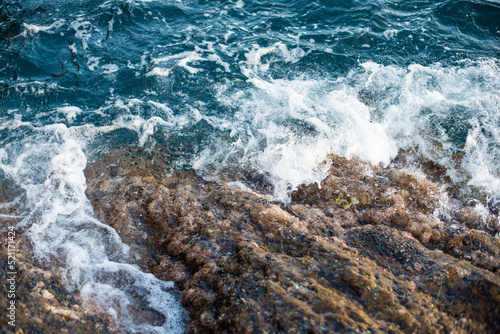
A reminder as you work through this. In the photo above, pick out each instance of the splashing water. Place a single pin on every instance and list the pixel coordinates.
(261, 91)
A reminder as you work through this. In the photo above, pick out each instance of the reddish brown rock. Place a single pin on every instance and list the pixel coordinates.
(366, 252)
(42, 303)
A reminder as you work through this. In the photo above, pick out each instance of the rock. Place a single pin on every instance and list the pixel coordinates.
(407, 202)
(365, 252)
(42, 303)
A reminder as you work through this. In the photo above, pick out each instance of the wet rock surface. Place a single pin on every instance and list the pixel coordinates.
(42, 304)
(370, 250)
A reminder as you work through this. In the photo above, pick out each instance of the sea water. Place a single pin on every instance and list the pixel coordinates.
(260, 89)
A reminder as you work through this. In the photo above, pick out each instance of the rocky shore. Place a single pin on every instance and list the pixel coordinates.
(370, 250)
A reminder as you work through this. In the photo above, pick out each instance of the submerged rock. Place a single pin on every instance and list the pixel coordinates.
(366, 251)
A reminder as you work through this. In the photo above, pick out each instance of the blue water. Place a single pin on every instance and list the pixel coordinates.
(241, 88)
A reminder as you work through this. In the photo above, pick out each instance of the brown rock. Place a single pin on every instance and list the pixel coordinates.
(42, 304)
(363, 253)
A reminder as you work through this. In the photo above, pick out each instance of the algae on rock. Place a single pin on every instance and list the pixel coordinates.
(362, 253)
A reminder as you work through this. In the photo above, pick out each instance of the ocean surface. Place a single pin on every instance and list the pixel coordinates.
(263, 90)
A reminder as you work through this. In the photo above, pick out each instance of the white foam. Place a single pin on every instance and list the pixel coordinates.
(35, 29)
(83, 31)
(160, 71)
(70, 112)
(93, 62)
(36, 87)
(421, 105)
(239, 4)
(390, 33)
(182, 60)
(11, 216)
(110, 68)
(285, 128)
(254, 57)
(483, 156)
(58, 219)
(110, 25)
(191, 57)
(254, 65)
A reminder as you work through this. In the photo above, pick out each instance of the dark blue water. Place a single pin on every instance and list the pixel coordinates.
(234, 88)
(78, 40)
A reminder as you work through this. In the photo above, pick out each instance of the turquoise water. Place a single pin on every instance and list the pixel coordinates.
(260, 89)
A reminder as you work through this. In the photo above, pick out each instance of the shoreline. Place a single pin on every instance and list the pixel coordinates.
(366, 250)
(337, 257)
